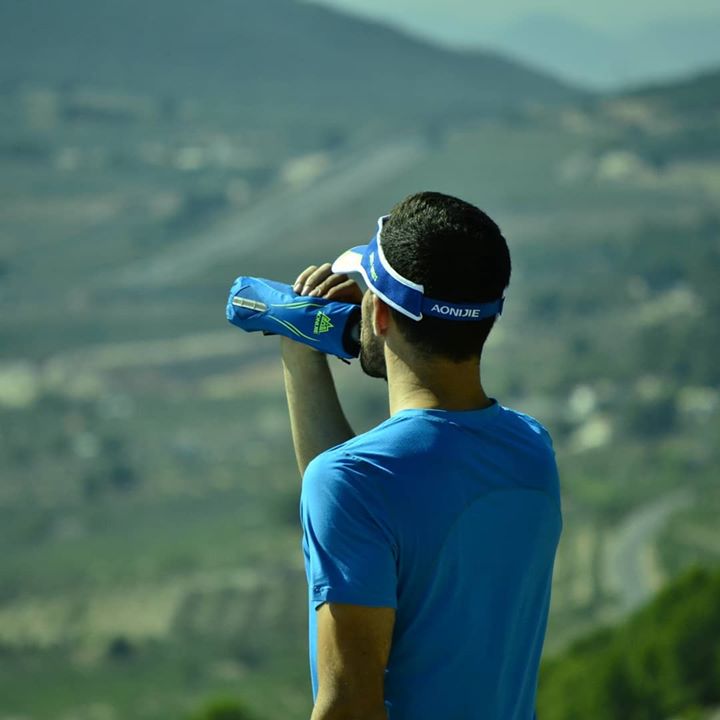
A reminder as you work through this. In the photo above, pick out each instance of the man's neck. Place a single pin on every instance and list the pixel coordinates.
(440, 385)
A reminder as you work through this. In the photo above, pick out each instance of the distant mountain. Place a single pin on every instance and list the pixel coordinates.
(261, 53)
(608, 60)
(693, 95)
(672, 122)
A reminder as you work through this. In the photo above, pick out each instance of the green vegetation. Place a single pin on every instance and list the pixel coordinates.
(664, 661)
(223, 710)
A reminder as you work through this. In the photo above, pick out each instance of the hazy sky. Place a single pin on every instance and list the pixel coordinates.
(459, 20)
(604, 45)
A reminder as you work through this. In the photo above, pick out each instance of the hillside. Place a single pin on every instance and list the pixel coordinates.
(689, 96)
(265, 56)
(662, 662)
(656, 126)
(148, 503)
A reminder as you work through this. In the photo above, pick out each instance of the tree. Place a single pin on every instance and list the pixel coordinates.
(663, 661)
(224, 709)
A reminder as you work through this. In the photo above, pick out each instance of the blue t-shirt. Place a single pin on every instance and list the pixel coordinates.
(453, 519)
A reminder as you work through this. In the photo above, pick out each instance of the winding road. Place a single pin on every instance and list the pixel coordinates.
(628, 571)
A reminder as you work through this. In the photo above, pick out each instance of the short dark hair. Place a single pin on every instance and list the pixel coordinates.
(458, 254)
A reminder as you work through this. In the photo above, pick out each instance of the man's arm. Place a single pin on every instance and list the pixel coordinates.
(316, 417)
(317, 420)
(353, 646)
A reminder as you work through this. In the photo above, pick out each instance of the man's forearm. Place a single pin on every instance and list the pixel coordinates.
(317, 420)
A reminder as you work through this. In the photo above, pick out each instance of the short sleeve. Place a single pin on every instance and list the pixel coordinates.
(349, 548)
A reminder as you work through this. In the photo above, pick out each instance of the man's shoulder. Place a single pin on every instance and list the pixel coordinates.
(410, 432)
(522, 422)
(350, 474)
(361, 456)
(410, 439)
(376, 439)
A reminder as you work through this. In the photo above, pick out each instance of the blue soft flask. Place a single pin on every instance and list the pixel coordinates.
(255, 304)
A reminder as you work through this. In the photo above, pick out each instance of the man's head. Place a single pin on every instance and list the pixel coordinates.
(458, 255)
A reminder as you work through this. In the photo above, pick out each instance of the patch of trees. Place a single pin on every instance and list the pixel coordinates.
(664, 661)
(224, 709)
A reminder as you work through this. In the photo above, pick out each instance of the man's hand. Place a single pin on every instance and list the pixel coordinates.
(322, 282)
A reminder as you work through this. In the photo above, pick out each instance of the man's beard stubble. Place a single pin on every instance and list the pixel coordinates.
(372, 355)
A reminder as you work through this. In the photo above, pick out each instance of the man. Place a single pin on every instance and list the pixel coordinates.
(429, 541)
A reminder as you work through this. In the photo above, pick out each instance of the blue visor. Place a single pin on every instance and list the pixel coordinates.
(402, 294)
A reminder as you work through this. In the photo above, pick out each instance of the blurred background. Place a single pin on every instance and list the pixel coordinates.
(152, 150)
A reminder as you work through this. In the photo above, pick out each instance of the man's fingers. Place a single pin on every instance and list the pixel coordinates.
(299, 284)
(320, 281)
(317, 278)
(310, 278)
(321, 289)
(346, 291)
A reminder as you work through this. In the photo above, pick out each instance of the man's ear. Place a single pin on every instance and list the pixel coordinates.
(380, 316)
